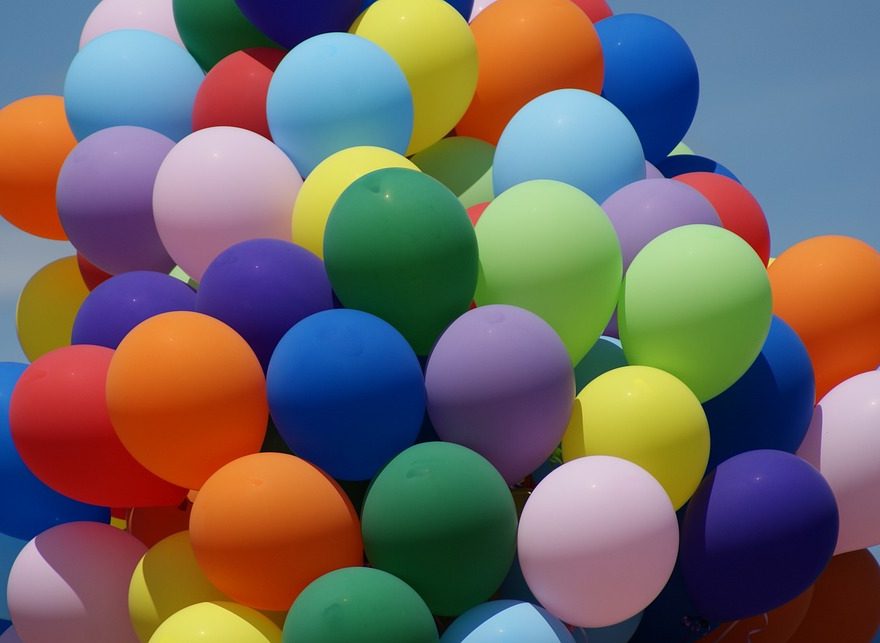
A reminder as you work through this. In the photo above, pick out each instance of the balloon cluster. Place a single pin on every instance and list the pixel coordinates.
(409, 320)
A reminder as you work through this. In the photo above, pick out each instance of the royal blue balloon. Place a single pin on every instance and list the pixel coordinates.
(758, 531)
(346, 392)
(651, 75)
(507, 621)
(677, 164)
(261, 288)
(770, 406)
(122, 302)
(290, 22)
(464, 7)
(27, 506)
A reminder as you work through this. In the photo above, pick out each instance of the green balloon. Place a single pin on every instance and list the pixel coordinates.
(441, 518)
(462, 164)
(549, 248)
(359, 604)
(696, 303)
(213, 29)
(399, 245)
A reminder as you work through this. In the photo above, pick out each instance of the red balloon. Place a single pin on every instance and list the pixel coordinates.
(234, 91)
(596, 10)
(61, 428)
(152, 524)
(476, 211)
(91, 274)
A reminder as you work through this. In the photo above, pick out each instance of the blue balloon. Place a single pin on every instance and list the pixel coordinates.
(672, 616)
(507, 622)
(620, 633)
(770, 406)
(132, 77)
(27, 506)
(9, 550)
(573, 136)
(310, 105)
(290, 22)
(651, 75)
(346, 392)
(464, 7)
(677, 164)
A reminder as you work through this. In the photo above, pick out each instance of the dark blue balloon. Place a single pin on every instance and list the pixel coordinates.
(651, 76)
(770, 406)
(672, 616)
(464, 7)
(289, 22)
(4, 625)
(346, 392)
(677, 164)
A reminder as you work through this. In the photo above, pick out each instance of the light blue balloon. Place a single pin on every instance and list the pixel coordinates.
(620, 633)
(507, 622)
(573, 136)
(9, 550)
(132, 77)
(334, 91)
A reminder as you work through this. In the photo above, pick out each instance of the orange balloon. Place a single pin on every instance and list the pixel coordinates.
(828, 290)
(186, 395)
(525, 49)
(266, 525)
(36, 140)
(775, 626)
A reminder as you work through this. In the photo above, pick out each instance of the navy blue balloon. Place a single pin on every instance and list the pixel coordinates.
(27, 506)
(672, 616)
(122, 302)
(651, 76)
(4, 625)
(346, 392)
(770, 406)
(289, 22)
(464, 7)
(758, 531)
(672, 166)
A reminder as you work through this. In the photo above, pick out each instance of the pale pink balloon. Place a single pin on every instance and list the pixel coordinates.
(479, 5)
(148, 15)
(597, 541)
(70, 584)
(843, 442)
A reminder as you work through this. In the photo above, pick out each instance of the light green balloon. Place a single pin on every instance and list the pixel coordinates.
(681, 148)
(462, 164)
(549, 248)
(696, 302)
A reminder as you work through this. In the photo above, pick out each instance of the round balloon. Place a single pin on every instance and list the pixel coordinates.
(90, 273)
(10, 548)
(152, 524)
(217, 622)
(464, 7)
(507, 621)
(686, 162)
(606, 355)
(619, 633)
(112, 15)
(672, 616)
(776, 626)
(290, 23)
(462, 164)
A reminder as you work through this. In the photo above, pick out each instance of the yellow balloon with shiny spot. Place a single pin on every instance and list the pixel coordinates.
(217, 622)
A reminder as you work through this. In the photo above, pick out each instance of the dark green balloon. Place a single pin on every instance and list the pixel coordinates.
(399, 244)
(359, 604)
(441, 518)
(213, 29)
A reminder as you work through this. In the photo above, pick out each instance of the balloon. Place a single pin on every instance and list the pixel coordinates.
(10, 548)
(214, 29)
(462, 164)
(310, 111)
(436, 51)
(220, 186)
(589, 576)
(606, 355)
(770, 406)
(672, 616)
(290, 23)
(36, 140)
(91, 275)
(359, 604)
(10, 636)
(651, 172)
(824, 288)
(507, 621)
(200, 403)
(596, 10)
(651, 76)
(549, 248)
(266, 525)
(572, 136)
(527, 49)
(458, 520)
(152, 524)
(775, 626)
(671, 315)
(346, 392)
(500, 382)
(217, 622)
(428, 250)
(620, 633)
(681, 148)
(112, 15)
(464, 7)
(70, 584)
(740, 212)
(686, 163)
(644, 210)
(758, 532)
(131, 77)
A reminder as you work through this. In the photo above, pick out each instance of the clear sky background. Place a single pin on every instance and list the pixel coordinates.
(790, 101)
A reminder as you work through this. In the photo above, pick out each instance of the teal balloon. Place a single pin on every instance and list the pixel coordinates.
(463, 164)
(605, 355)
(9, 549)
(619, 633)
(507, 621)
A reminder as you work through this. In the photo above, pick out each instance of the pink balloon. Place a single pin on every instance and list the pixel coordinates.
(217, 187)
(597, 541)
(70, 584)
(843, 442)
(147, 15)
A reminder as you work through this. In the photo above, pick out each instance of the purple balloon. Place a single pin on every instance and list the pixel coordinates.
(500, 382)
(105, 199)
(652, 172)
(646, 209)
(758, 531)
(261, 288)
(122, 302)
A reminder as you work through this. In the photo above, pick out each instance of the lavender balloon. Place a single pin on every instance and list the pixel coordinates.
(500, 382)
(651, 172)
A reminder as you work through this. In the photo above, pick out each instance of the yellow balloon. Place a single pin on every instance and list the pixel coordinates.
(217, 622)
(327, 181)
(47, 307)
(646, 416)
(166, 580)
(436, 50)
